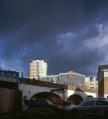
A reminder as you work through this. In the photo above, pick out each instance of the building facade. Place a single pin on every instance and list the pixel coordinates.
(38, 69)
(91, 83)
(9, 76)
(102, 78)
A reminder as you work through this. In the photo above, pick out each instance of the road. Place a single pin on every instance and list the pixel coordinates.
(46, 114)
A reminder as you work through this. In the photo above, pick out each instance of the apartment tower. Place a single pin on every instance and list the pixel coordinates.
(38, 69)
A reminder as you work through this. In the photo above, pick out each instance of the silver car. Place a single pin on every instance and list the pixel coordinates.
(93, 107)
(70, 107)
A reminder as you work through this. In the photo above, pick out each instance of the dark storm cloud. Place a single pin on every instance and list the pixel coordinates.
(54, 30)
(39, 13)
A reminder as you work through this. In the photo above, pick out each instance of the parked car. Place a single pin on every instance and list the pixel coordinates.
(93, 107)
(42, 103)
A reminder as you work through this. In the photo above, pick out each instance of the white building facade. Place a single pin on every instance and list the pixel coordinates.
(69, 78)
(72, 78)
(91, 83)
(51, 78)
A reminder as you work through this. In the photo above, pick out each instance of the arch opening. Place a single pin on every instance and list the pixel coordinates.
(53, 97)
(75, 99)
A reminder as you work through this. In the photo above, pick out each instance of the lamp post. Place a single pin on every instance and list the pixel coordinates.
(63, 98)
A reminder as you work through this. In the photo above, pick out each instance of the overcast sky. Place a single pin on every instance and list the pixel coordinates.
(71, 34)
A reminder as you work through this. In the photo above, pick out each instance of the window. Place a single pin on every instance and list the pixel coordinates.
(91, 88)
(101, 103)
(88, 103)
(49, 102)
(91, 78)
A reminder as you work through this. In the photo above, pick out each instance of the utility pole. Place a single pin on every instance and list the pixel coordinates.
(22, 75)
